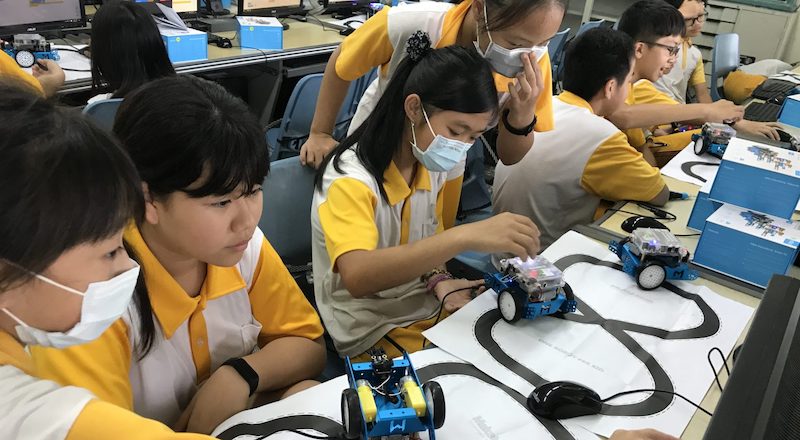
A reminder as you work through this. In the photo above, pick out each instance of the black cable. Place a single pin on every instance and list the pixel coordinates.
(686, 235)
(304, 434)
(625, 393)
(724, 364)
(441, 307)
(75, 70)
(642, 215)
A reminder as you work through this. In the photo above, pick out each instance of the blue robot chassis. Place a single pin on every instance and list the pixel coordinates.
(385, 398)
(530, 289)
(652, 256)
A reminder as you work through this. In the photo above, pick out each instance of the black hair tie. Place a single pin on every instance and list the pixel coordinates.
(418, 46)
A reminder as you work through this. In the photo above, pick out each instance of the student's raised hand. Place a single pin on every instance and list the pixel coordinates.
(724, 111)
(221, 396)
(316, 148)
(640, 434)
(502, 233)
(767, 129)
(524, 92)
(454, 299)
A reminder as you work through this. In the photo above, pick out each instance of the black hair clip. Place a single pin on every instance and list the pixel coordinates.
(419, 45)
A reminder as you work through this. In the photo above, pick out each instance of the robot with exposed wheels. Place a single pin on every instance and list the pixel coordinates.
(652, 256)
(713, 139)
(385, 398)
(530, 288)
(27, 48)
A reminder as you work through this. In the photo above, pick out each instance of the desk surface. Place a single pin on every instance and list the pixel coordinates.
(300, 40)
(610, 224)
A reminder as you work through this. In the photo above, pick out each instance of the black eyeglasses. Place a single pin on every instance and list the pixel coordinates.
(673, 50)
(701, 18)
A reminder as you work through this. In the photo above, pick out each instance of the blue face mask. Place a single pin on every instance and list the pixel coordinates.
(442, 154)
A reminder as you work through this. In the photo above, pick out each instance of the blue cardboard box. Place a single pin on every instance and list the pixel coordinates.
(264, 33)
(188, 45)
(790, 111)
(703, 207)
(747, 245)
(760, 177)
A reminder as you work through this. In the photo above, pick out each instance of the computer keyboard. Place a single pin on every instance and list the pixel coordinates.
(773, 88)
(762, 112)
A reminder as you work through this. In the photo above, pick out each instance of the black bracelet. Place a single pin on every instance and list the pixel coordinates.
(246, 371)
(517, 131)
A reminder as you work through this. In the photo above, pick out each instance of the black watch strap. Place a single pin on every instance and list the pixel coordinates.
(246, 371)
(517, 131)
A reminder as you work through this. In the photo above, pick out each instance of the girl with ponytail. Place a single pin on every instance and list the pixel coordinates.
(379, 245)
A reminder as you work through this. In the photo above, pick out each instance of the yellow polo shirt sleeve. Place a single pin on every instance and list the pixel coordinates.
(698, 74)
(644, 92)
(278, 303)
(366, 48)
(100, 366)
(448, 208)
(100, 420)
(10, 72)
(347, 218)
(616, 171)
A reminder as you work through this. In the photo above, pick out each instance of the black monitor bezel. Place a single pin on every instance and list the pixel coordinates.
(48, 26)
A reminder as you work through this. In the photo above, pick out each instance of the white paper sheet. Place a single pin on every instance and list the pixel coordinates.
(685, 161)
(475, 409)
(672, 333)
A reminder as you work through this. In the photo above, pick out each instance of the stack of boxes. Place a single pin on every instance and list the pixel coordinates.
(745, 213)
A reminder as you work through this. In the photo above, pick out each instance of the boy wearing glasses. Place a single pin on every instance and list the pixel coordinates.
(687, 71)
(658, 30)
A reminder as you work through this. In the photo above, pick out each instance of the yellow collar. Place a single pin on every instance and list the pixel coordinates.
(170, 303)
(573, 99)
(395, 186)
(14, 354)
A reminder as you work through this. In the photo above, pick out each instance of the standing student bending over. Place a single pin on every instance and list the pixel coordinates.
(217, 316)
(379, 244)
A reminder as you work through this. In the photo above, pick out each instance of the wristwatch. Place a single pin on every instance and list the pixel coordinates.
(517, 131)
(246, 371)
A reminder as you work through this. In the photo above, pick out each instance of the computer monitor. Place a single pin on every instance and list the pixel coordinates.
(40, 16)
(761, 399)
(182, 7)
(345, 8)
(271, 8)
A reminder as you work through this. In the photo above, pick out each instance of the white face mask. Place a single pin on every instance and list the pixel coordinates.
(442, 154)
(504, 61)
(103, 303)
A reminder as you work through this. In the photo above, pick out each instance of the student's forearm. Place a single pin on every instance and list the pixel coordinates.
(702, 93)
(512, 148)
(286, 361)
(365, 273)
(330, 99)
(648, 115)
(648, 155)
(662, 198)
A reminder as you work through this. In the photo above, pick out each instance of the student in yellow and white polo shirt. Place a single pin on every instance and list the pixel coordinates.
(559, 184)
(688, 70)
(657, 29)
(60, 289)
(511, 24)
(379, 246)
(217, 316)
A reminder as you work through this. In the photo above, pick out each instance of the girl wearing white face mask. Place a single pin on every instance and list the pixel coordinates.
(66, 192)
(514, 28)
(379, 245)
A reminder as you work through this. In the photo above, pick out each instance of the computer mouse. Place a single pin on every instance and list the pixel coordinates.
(640, 221)
(224, 43)
(789, 139)
(564, 400)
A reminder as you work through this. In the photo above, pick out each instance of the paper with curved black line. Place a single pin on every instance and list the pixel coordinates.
(519, 370)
